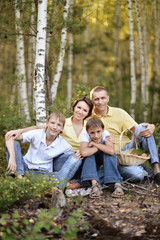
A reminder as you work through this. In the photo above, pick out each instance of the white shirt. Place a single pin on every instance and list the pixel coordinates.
(39, 155)
(86, 138)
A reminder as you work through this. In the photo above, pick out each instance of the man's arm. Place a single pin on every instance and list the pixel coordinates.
(11, 168)
(16, 133)
(148, 131)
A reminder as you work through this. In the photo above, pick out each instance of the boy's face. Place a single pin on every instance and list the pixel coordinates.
(95, 134)
(54, 127)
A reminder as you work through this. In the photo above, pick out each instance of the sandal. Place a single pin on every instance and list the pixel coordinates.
(118, 192)
(96, 193)
(157, 178)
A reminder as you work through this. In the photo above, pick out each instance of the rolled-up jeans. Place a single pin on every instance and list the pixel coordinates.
(137, 173)
(92, 167)
(68, 165)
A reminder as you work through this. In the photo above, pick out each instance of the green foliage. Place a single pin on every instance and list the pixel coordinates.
(139, 151)
(81, 90)
(157, 136)
(14, 189)
(42, 226)
(9, 118)
(72, 224)
(59, 105)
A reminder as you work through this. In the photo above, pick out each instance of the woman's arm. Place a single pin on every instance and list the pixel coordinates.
(86, 150)
(16, 133)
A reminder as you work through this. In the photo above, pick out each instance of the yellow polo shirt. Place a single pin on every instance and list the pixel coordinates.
(70, 136)
(115, 122)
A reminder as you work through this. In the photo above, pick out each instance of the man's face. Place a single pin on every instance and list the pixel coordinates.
(54, 127)
(100, 100)
(95, 134)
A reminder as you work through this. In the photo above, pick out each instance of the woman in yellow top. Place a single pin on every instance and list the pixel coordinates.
(74, 126)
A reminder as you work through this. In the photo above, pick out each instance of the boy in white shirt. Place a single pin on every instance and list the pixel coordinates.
(45, 144)
(98, 151)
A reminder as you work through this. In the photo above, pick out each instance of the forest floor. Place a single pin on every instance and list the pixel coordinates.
(136, 215)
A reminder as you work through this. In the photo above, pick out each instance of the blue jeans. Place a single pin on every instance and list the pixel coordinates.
(91, 169)
(67, 165)
(137, 173)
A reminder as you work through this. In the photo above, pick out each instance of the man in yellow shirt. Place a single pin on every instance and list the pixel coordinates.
(115, 121)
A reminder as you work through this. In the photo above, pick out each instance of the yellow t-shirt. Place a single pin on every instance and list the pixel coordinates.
(115, 122)
(70, 136)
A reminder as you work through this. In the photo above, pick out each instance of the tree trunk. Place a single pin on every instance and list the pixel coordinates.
(117, 78)
(39, 73)
(20, 66)
(156, 61)
(70, 63)
(146, 58)
(143, 85)
(31, 60)
(132, 64)
(61, 54)
(86, 37)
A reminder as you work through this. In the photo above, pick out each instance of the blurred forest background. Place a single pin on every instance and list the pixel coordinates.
(113, 43)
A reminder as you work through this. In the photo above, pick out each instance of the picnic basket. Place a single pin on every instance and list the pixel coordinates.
(126, 157)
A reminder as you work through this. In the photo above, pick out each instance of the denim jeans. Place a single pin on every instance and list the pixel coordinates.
(91, 169)
(66, 166)
(137, 173)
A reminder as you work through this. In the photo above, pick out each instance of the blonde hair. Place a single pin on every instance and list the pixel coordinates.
(58, 115)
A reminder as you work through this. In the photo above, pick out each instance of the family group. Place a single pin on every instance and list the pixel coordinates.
(83, 146)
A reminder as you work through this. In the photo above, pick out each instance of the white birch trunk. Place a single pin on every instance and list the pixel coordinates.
(61, 54)
(86, 37)
(20, 67)
(39, 74)
(132, 66)
(146, 58)
(117, 78)
(70, 63)
(143, 85)
(31, 51)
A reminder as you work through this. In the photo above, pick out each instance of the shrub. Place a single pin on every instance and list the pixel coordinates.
(14, 189)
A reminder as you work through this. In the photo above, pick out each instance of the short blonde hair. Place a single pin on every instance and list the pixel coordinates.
(58, 115)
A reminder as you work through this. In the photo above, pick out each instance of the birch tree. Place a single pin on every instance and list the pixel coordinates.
(143, 85)
(132, 62)
(20, 67)
(146, 58)
(117, 78)
(70, 62)
(39, 71)
(31, 50)
(59, 68)
(86, 38)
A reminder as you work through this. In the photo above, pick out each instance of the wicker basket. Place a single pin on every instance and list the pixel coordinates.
(125, 157)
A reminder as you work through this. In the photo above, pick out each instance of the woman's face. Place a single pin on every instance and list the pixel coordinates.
(81, 110)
